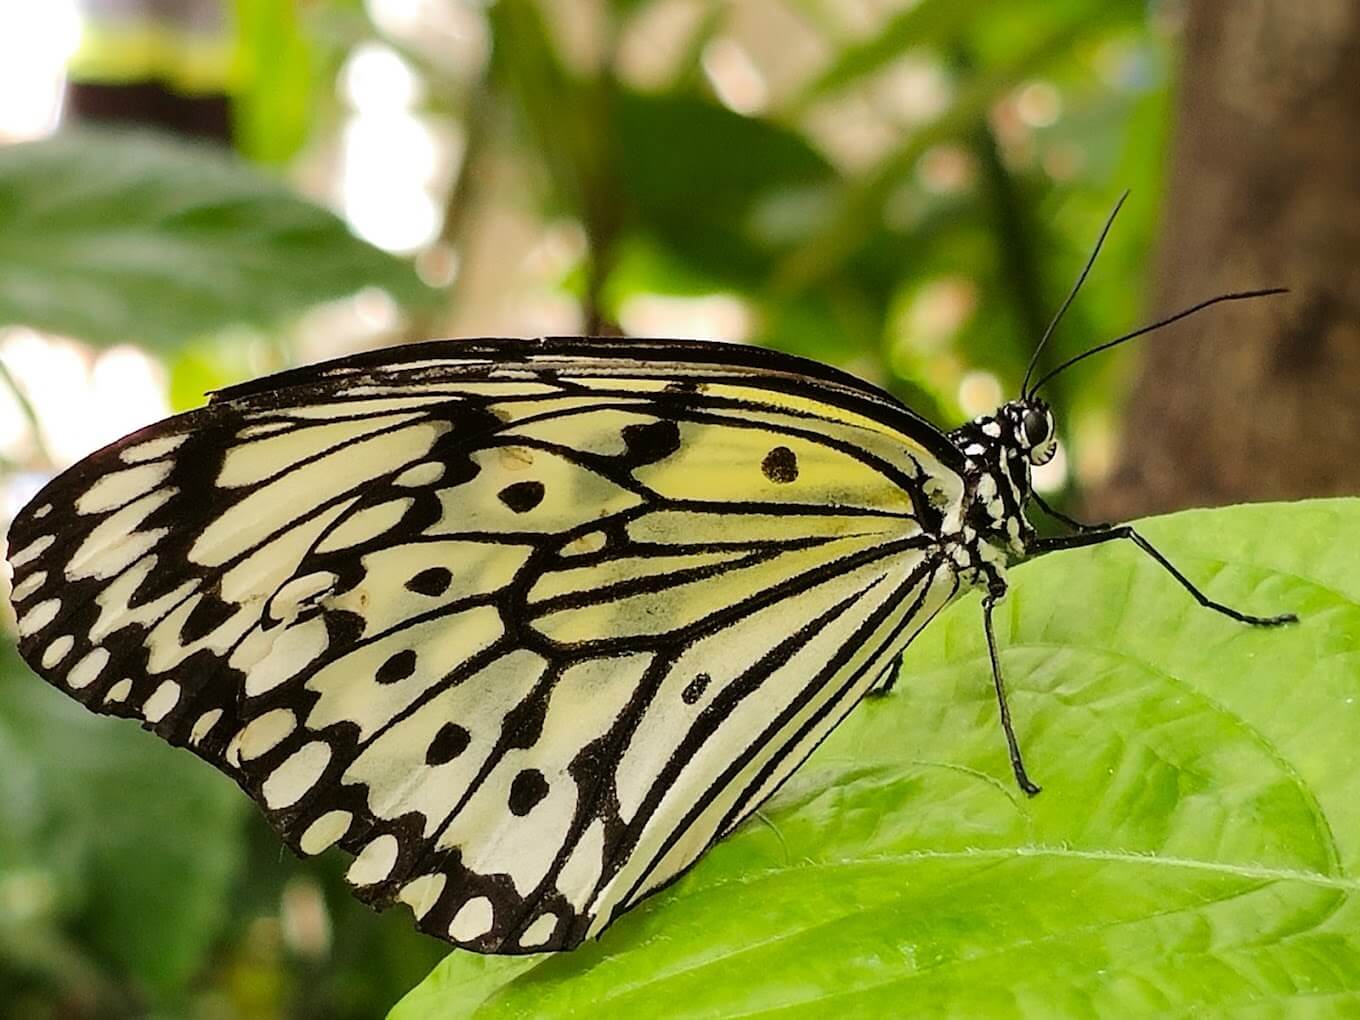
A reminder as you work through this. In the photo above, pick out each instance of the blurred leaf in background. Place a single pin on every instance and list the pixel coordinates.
(84, 872)
(122, 237)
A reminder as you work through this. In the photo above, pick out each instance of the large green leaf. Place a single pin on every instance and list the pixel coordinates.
(113, 237)
(1195, 852)
(132, 844)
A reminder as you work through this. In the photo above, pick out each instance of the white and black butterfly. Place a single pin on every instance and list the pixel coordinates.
(522, 625)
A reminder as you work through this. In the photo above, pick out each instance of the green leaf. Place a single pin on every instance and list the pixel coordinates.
(1195, 852)
(116, 237)
(146, 889)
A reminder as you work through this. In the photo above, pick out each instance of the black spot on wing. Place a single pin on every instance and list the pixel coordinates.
(451, 741)
(650, 443)
(527, 792)
(694, 690)
(397, 667)
(433, 582)
(780, 465)
(522, 496)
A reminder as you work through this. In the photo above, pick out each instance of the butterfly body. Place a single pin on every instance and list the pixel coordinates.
(523, 626)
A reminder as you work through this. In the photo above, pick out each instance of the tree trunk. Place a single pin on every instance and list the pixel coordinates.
(1255, 400)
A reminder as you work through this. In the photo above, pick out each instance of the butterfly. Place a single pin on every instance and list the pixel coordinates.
(524, 626)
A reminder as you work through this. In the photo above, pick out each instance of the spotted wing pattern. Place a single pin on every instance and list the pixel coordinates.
(523, 626)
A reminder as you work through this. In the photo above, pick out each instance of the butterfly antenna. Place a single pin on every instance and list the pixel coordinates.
(1025, 391)
(1237, 296)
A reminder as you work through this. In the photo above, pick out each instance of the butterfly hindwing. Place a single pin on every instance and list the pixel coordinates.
(522, 626)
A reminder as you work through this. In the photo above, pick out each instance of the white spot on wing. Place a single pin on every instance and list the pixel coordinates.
(325, 832)
(267, 428)
(581, 545)
(422, 893)
(87, 670)
(152, 449)
(203, 726)
(116, 543)
(42, 511)
(294, 650)
(422, 474)
(233, 752)
(265, 733)
(57, 650)
(119, 692)
(375, 862)
(579, 875)
(539, 932)
(31, 551)
(473, 920)
(162, 701)
(113, 490)
(288, 600)
(364, 525)
(291, 781)
(39, 617)
(115, 601)
(28, 586)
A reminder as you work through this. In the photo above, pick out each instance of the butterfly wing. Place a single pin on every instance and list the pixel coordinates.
(524, 626)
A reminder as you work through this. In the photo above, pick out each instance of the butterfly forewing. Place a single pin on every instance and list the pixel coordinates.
(522, 626)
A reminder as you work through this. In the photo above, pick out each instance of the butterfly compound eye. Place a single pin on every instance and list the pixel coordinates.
(1036, 428)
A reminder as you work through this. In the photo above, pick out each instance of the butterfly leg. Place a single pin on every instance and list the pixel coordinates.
(989, 601)
(1058, 515)
(1095, 534)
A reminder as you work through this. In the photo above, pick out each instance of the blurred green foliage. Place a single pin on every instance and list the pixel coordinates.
(134, 882)
(73, 844)
(748, 204)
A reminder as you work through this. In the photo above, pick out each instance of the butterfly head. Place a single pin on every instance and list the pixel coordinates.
(1033, 431)
(1000, 449)
(1020, 434)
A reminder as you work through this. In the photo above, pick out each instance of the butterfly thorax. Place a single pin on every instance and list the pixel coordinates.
(999, 451)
